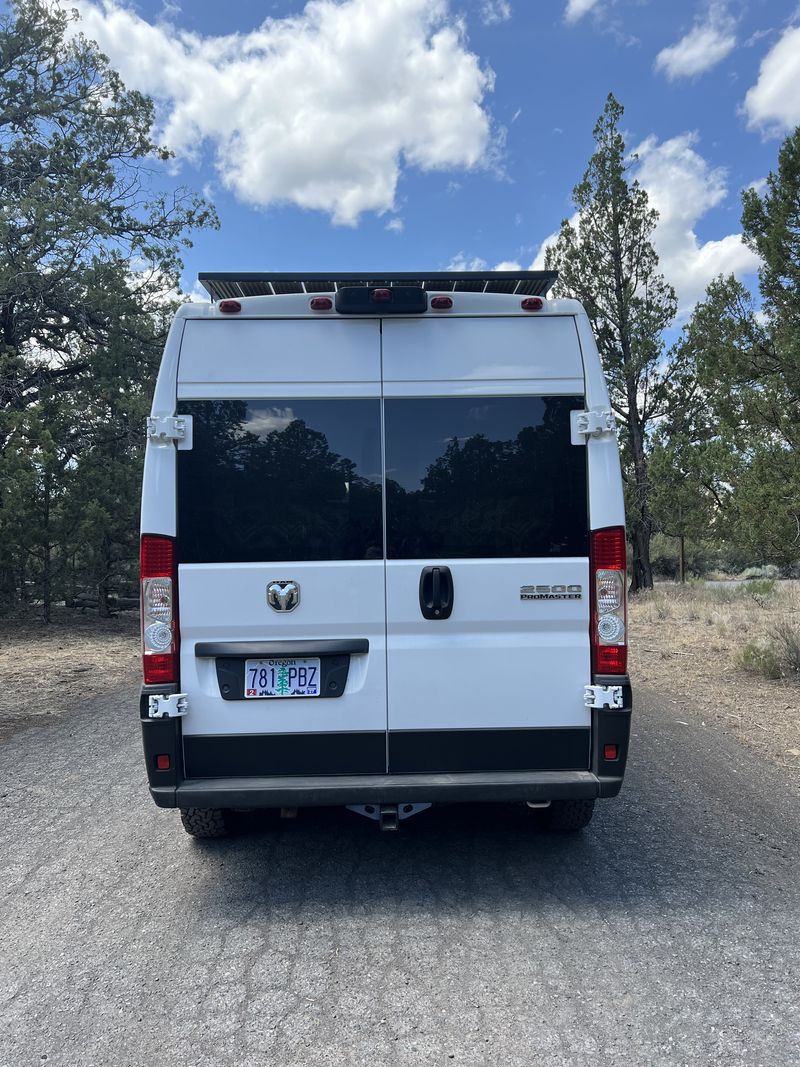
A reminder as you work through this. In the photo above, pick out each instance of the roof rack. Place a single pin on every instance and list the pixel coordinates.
(230, 284)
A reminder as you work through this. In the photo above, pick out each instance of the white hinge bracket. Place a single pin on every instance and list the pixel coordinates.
(596, 422)
(161, 706)
(602, 696)
(165, 430)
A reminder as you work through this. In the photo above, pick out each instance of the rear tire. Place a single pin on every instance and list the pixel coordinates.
(568, 816)
(205, 822)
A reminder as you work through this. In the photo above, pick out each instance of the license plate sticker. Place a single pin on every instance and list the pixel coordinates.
(282, 677)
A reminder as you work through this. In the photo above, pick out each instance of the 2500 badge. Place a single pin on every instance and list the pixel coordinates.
(551, 592)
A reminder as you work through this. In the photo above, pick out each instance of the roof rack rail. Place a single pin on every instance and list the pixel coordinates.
(228, 285)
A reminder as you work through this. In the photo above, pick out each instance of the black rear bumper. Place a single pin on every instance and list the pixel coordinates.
(319, 791)
(238, 787)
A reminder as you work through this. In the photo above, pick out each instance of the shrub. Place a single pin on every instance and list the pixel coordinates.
(775, 656)
(769, 571)
(760, 657)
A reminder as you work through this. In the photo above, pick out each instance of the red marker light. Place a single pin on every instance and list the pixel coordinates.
(229, 307)
(532, 303)
(441, 303)
(610, 751)
(320, 303)
(381, 296)
(163, 762)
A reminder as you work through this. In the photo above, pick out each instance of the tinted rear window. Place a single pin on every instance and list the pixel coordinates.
(280, 480)
(484, 477)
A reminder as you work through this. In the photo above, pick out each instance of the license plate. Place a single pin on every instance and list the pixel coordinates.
(283, 677)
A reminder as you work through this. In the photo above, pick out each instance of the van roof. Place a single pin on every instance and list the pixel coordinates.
(231, 284)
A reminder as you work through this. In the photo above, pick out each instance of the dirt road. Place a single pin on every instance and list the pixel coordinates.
(669, 932)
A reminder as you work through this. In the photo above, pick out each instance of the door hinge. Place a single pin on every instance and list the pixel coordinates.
(161, 706)
(602, 696)
(597, 422)
(164, 430)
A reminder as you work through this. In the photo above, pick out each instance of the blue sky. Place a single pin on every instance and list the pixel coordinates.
(423, 134)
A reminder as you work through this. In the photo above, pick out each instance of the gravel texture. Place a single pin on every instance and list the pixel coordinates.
(666, 933)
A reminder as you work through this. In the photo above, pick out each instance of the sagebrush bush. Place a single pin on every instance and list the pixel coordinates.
(760, 657)
(775, 656)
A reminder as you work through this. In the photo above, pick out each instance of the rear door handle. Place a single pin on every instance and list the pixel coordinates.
(436, 592)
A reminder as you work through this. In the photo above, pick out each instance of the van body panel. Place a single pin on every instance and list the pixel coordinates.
(498, 661)
(420, 349)
(228, 602)
(277, 390)
(281, 350)
(486, 387)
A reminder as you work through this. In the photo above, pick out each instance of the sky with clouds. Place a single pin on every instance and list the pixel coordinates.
(433, 134)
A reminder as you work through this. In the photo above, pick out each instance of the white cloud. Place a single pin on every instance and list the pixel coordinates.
(773, 103)
(394, 225)
(576, 9)
(461, 262)
(706, 44)
(320, 109)
(683, 187)
(507, 264)
(494, 11)
(538, 260)
(759, 185)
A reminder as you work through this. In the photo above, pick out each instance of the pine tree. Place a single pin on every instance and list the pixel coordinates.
(748, 362)
(608, 262)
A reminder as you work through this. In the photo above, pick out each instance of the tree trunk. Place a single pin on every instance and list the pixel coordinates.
(682, 559)
(47, 550)
(641, 525)
(103, 606)
(642, 577)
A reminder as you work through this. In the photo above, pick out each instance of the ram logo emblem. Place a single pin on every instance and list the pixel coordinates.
(283, 596)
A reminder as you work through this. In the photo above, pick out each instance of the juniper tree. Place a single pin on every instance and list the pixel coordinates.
(747, 359)
(607, 261)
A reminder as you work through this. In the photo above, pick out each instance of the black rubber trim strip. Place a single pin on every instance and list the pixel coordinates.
(563, 748)
(389, 788)
(249, 755)
(351, 645)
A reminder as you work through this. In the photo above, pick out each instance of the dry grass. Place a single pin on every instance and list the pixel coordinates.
(728, 653)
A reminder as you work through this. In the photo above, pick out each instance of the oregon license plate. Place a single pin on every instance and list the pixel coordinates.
(282, 677)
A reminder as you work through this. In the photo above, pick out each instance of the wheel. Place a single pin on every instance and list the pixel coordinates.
(569, 815)
(205, 822)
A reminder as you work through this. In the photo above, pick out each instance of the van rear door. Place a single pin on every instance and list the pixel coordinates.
(280, 548)
(487, 545)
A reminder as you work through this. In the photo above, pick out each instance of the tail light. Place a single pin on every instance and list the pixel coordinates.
(159, 577)
(320, 303)
(609, 609)
(532, 303)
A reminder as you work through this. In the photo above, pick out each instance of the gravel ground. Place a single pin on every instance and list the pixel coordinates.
(667, 933)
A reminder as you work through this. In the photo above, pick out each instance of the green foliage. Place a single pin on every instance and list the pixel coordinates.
(609, 263)
(775, 656)
(89, 269)
(747, 365)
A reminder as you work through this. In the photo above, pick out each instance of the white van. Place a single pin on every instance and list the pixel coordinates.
(383, 551)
